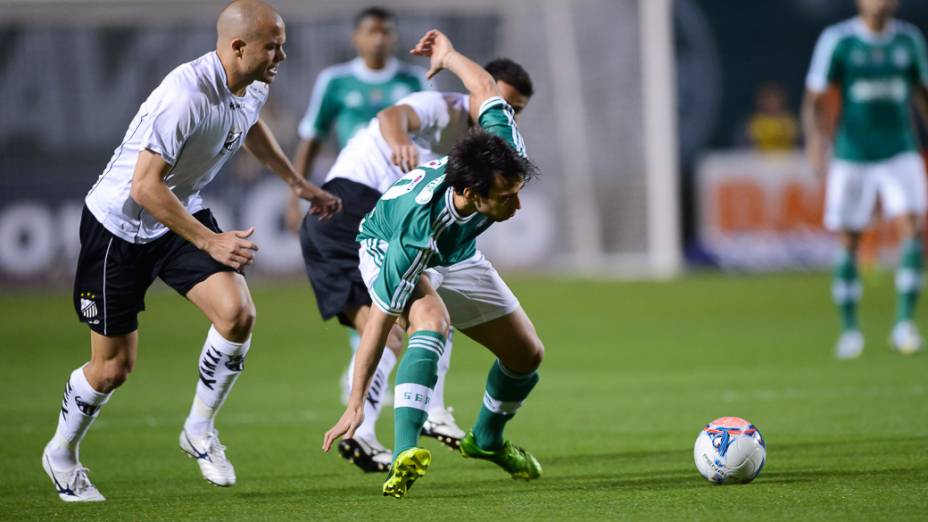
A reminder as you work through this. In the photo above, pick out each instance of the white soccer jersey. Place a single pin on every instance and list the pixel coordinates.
(365, 159)
(196, 124)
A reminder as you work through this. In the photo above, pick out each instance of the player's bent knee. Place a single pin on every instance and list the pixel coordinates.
(527, 359)
(237, 321)
(440, 323)
(536, 353)
(111, 374)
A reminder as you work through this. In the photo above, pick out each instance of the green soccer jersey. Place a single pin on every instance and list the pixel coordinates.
(876, 74)
(415, 225)
(346, 96)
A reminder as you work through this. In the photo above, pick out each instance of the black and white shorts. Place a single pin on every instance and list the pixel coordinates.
(113, 274)
(330, 251)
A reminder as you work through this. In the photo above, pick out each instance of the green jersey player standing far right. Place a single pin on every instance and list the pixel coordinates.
(879, 65)
(428, 220)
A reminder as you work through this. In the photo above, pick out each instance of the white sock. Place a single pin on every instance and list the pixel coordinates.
(374, 402)
(79, 407)
(221, 362)
(444, 362)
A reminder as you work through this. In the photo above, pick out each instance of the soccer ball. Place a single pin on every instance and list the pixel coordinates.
(729, 450)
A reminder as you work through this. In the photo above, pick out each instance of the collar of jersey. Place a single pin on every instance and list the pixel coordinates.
(869, 36)
(449, 204)
(368, 75)
(221, 78)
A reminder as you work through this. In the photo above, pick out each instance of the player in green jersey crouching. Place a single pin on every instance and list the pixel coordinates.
(427, 220)
(879, 65)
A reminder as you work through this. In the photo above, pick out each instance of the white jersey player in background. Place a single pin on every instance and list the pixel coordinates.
(144, 218)
(420, 128)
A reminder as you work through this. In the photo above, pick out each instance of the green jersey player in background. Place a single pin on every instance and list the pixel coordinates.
(347, 95)
(429, 219)
(879, 66)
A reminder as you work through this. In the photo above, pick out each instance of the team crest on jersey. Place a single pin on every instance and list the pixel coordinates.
(231, 140)
(89, 310)
(428, 190)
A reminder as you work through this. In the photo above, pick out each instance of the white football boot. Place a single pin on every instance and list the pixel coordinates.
(905, 338)
(440, 425)
(73, 484)
(850, 345)
(210, 454)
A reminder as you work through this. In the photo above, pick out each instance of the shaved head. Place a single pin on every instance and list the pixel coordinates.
(250, 42)
(243, 19)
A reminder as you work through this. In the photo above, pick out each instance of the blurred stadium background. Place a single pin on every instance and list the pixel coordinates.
(662, 129)
(642, 125)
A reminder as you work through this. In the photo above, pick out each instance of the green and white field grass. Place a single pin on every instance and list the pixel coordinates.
(632, 372)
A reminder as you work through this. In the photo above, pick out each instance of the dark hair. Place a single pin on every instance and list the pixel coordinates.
(373, 12)
(477, 157)
(506, 70)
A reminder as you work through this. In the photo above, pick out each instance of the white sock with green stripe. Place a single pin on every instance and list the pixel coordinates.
(415, 380)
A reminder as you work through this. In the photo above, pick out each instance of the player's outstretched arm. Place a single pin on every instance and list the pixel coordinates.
(150, 191)
(438, 48)
(373, 339)
(261, 143)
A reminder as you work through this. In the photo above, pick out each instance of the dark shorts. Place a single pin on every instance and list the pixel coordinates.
(330, 251)
(113, 274)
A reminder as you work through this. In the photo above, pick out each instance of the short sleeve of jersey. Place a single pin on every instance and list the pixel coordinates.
(323, 107)
(825, 67)
(402, 264)
(430, 107)
(399, 272)
(497, 118)
(173, 120)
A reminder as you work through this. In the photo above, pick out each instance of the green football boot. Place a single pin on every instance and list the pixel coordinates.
(515, 460)
(408, 466)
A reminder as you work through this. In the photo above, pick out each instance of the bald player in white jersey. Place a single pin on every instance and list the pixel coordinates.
(144, 218)
(419, 128)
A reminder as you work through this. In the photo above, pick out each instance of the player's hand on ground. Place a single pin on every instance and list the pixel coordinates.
(435, 46)
(294, 214)
(324, 205)
(405, 156)
(346, 426)
(232, 248)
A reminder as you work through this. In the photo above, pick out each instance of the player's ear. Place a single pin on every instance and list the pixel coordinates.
(469, 194)
(238, 47)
